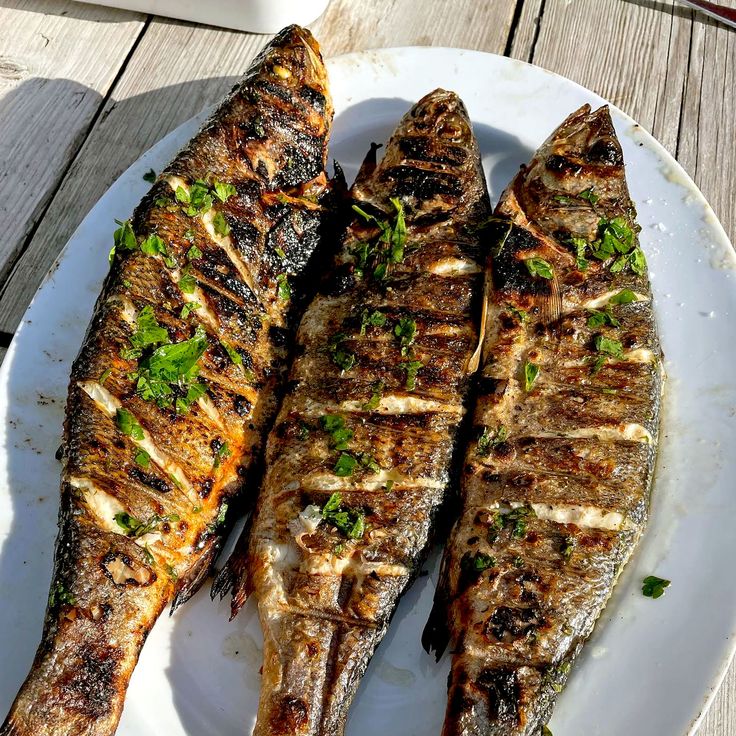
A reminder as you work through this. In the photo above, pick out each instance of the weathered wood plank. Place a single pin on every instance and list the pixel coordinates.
(176, 70)
(707, 146)
(58, 60)
(351, 26)
(721, 718)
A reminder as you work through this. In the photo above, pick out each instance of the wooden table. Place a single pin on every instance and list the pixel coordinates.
(85, 90)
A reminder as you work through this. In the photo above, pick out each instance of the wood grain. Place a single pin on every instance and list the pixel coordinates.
(354, 26)
(176, 70)
(57, 62)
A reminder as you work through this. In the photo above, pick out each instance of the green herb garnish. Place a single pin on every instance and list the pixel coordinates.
(224, 191)
(350, 522)
(590, 195)
(232, 353)
(568, 545)
(606, 346)
(105, 375)
(371, 319)
(187, 283)
(625, 296)
(375, 399)
(477, 562)
(406, 330)
(490, 439)
(142, 458)
(193, 253)
(411, 367)
(518, 519)
(135, 528)
(340, 435)
(340, 356)
(391, 242)
(128, 425)
(345, 465)
(220, 225)
(539, 267)
(283, 288)
(188, 308)
(198, 199)
(600, 318)
(60, 595)
(531, 373)
(221, 453)
(654, 587)
(150, 176)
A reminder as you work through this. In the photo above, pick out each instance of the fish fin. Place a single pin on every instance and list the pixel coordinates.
(436, 634)
(191, 583)
(235, 578)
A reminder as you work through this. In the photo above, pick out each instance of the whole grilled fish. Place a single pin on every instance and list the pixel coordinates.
(177, 381)
(555, 486)
(359, 458)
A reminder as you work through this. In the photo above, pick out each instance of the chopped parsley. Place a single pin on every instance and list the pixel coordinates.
(601, 318)
(283, 288)
(197, 200)
(147, 332)
(188, 308)
(340, 435)
(539, 267)
(491, 439)
(339, 355)
(518, 519)
(232, 353)
(220, 225)
(194, 252)
(371, 319)
(625, 296)
(520, 315)
(219, 519)
(187, 282)
(169, 366)
(194, 393)
(390, 245)
(150, 176)
(135, 528)
(61, 595)
(411, 367)
(531, 373)
(142, 458)
(477, 563)
(615, 239)
(105, 375)
(568, 545)
(654, 587)
(351, 522)
(222, 452)
(124, 237)
(128, 425)
(581, 245)
(517, 561)
(375, 399)
(223, 192)
(606, 346)
(345, 465)
(589, 195)
(406, 330)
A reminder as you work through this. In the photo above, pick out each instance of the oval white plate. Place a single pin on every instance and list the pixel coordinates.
(651, 666)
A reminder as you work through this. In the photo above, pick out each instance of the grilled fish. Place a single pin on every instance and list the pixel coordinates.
(359, 459)
(177, 383)
(555, 484)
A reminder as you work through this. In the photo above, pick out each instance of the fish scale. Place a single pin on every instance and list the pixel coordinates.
(327, 582)
(555, 486)
(146, 484)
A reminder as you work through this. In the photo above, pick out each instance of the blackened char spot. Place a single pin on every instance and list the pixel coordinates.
(91, 683)
(420, 148)
(509, 270)
(150, 480)
(342, 280)
(503, 692)
(508, 624)
(562, 165)
(292, 715)
(313, 97)
(410, 182)
(606, 151)
(242, 406)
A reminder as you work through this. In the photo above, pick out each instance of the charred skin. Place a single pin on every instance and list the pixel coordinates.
(520, 591)
(268, 140)
(325, 599)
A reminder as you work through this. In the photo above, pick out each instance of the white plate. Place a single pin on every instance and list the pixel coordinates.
(651, 666)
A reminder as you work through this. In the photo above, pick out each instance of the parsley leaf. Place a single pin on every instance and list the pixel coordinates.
(283, 288)
(391, 242)
(221, 453)
(224, 191)
(233, 354)
(477, 562)
(581, 245)
(606, 346)
(405, 330)
(340, 435)
(371, 319)
(625, 296)
(340, 356)
(375, 399)
(654, 587)
(128, 425)
(150, 176)
(531, 373)
(345, 465)
(188, 308)
(590, 195)
(351, 522)
(539, 267)
(187, 283)
(220, 225)
(411, 367)
(135, 528)
(142, 458)
(488, 440)
(518, 519)
(599, 319)
(193, 253)
(148, 330)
